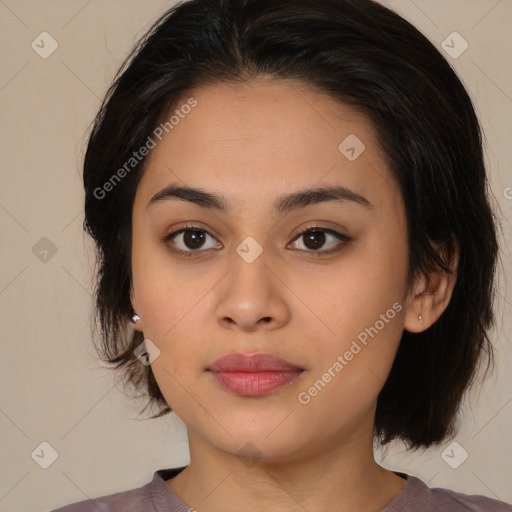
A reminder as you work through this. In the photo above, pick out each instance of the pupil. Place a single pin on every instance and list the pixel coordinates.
(194, 238)
(311, 238)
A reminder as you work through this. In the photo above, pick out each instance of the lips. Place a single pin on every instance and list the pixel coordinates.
(260, 362)
(253, 375)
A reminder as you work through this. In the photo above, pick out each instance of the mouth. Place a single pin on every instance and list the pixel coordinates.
(254, 374)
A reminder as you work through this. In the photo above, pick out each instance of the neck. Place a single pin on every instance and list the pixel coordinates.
(339, 476)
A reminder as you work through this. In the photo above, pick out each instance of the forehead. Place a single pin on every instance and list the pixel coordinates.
(265, 137)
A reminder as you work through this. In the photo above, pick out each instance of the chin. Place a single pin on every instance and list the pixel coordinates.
(254, 442)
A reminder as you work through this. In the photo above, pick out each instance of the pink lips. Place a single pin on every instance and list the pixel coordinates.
(253, 375)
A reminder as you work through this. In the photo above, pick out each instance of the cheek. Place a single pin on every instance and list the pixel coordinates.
(350, 294)
(165, 292)
(343, 389)
(180, 368)
(361, 315)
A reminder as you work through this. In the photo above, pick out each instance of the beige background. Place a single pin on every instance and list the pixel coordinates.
(52, 388)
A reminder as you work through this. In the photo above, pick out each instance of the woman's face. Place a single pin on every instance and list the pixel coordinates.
(247, 282)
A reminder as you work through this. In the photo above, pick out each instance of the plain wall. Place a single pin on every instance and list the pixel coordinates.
(52, 387)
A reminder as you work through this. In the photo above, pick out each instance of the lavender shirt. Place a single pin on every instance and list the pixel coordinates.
(155, 496)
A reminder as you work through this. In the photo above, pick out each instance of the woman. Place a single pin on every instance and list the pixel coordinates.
(290, 204)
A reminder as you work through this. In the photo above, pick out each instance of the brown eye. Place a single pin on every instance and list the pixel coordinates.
(193, 239)
(315, 238)
(188, 240)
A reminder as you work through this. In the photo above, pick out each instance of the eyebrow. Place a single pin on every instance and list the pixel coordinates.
(283, 204)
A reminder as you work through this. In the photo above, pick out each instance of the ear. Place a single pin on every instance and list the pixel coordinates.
(133, 300)
(431, 294)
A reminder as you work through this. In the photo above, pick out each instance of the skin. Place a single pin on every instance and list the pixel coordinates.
(253, 143)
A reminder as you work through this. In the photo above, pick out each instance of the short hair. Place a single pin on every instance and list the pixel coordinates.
(361, 54)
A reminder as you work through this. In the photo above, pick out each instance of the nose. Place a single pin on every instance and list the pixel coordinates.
(252, 296)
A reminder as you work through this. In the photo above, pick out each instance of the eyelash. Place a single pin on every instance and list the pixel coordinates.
(344, 240)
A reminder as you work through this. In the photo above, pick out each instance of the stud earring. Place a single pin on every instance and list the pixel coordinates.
(135, 318)
(421, 295)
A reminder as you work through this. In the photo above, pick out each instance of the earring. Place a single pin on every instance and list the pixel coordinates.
(420, 318)
(135, 318)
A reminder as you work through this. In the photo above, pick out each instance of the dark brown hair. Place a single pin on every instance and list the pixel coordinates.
(364, 55)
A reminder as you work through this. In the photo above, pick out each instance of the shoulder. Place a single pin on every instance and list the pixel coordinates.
(456, 501)
(154, 496)
(127, 501)
(424, 499)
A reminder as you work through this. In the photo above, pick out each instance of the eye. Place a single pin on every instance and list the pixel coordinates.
(315, 237)
(191, 239)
